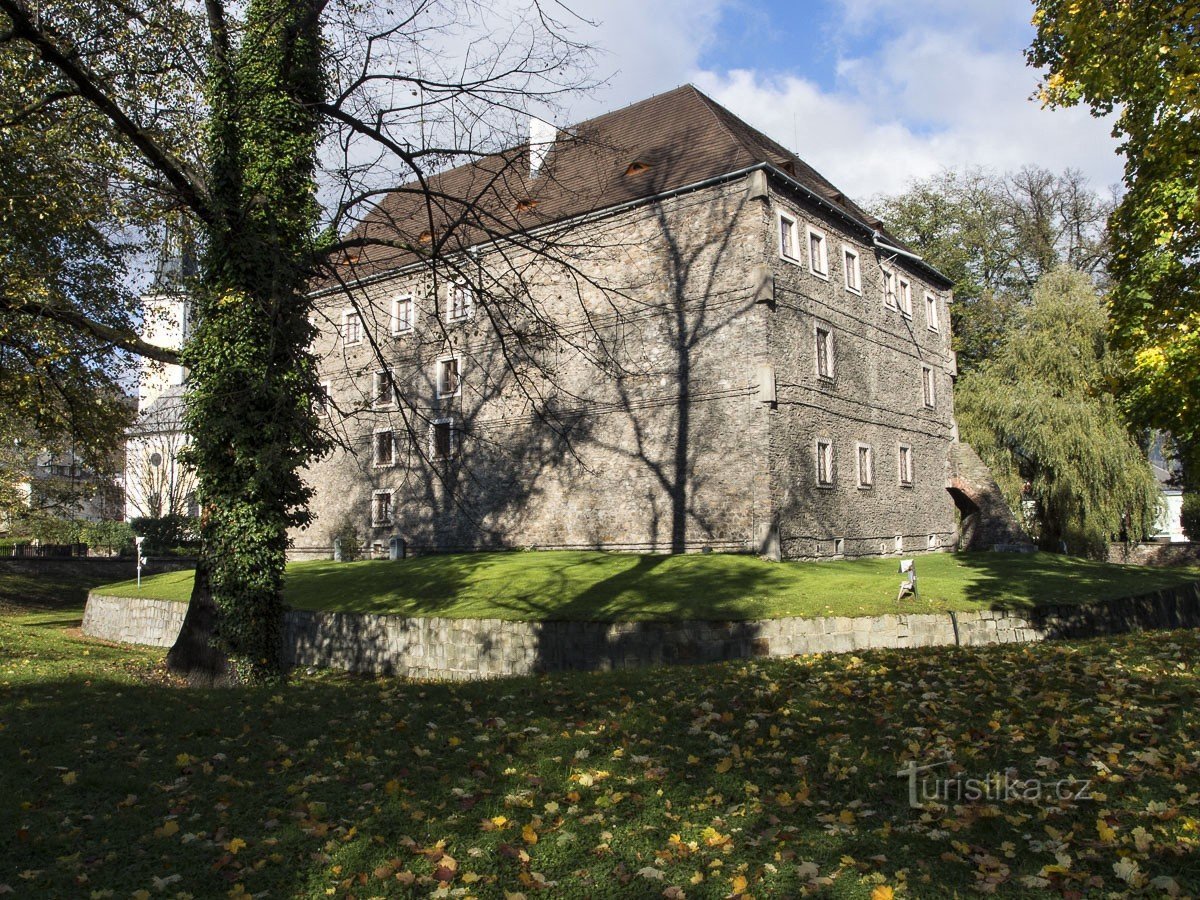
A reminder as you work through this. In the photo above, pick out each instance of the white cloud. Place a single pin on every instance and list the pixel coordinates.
(920, 85)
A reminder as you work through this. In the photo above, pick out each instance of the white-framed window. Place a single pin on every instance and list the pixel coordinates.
(904, 462)
(383, 393)
(789, 237)
(448, 376)
(351, 327)
(865, 459)
(899, 543)
(823, 339)
(933, 543)
(928, 387)
(381, 507)
(460, 302)
(905, 297)
(931, 311)
(402, 315)
(824, 455)
(818, 253)
(443, 438)
(889, 289)
(383, 448)
(325, 397)
(853, 270)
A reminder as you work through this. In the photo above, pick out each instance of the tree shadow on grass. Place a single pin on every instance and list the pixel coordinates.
(330, 781)
(1027, 580)
(1068, 597)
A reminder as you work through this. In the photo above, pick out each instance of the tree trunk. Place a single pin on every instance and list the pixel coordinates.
(196, 652)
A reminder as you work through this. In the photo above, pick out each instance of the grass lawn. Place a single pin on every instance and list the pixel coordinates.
(771, 778)
(611, 586)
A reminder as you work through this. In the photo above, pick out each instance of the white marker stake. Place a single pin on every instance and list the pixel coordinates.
(140, 559)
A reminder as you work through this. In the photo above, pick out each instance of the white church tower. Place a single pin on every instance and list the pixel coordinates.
(156, 484)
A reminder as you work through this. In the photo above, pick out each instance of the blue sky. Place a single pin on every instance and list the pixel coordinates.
(874, 93)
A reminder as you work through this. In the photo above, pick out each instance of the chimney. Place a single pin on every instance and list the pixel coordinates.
(541, 141)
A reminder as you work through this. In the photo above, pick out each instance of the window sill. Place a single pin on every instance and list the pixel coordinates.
(905, 485)
(824, 276)
(857, 292)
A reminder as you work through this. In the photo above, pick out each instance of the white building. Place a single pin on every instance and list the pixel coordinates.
(156, 484)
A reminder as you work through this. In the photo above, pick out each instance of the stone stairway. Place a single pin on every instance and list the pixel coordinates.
(987, 521)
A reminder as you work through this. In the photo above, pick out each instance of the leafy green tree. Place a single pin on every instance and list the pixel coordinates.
(994, 236)
(63, 310)
(1041, 414)
(1142, 60)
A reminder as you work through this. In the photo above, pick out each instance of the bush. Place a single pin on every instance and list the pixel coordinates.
(111, 537)
(55, 530)
(166, 535)
(347, 534)
(1190, 516)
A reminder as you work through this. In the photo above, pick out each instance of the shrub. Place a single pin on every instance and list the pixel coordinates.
(166, 535)
(111, 537)
(54, 529)
(351, 541)
(1190, 516)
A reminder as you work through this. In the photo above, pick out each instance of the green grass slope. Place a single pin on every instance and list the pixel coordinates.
(587, 585)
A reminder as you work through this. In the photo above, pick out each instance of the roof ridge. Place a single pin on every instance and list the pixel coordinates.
(713, 106)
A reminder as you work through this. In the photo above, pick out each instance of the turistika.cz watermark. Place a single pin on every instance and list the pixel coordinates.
(994, 787)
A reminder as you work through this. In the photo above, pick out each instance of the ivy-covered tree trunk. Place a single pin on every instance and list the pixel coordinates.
(252, 378)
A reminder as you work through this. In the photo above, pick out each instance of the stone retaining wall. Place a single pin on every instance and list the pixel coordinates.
(133, 620)
(474, 648)
(1155, 554)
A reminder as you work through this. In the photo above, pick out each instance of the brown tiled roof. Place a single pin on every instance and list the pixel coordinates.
(669, 141)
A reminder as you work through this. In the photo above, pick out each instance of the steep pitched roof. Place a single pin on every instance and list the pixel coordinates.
(669, 141)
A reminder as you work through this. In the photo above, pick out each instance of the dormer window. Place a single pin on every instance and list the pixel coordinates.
(637, 167)
(526, 205)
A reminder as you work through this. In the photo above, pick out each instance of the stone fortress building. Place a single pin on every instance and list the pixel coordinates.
(658, 330)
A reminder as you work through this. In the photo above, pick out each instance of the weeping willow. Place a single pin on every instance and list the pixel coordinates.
(1043, 416)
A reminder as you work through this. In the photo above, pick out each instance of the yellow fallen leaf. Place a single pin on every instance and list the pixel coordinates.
(170, 827)
(499, 821)
(882, 892)
(1107, 832)
(235, 845)
(739, 884)
(69, 778)
(469, 878)
(529, 835)
(725, 765)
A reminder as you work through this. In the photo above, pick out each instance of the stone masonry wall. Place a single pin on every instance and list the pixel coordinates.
(474, 648)
(632, 422)
(872, 396)
(674, 408)
(1155, 554)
